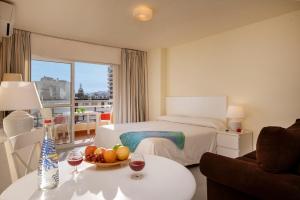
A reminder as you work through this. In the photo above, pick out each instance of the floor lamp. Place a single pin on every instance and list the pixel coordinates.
(11, 77)
(18, 96)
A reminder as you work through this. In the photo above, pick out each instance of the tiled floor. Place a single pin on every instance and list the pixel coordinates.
(200, 179)
(201, 184)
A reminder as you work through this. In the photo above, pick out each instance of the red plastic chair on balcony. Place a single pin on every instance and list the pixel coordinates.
(60, 127)
(105, 116)
(104, 119)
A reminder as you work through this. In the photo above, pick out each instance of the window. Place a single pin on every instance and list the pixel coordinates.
(93, 95)
(93, 81)
(76, 92)
(53, 82)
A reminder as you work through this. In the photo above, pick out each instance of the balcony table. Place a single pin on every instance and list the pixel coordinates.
(88, 114)
(163, 179)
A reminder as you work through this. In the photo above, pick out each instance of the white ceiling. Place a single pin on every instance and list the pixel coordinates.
(110, 22)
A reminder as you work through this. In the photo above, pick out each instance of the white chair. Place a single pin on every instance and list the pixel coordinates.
(23, 152)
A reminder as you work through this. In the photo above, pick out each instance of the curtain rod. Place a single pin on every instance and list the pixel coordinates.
(74, 40)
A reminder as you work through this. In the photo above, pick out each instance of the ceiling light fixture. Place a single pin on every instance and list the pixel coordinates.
(143, 13)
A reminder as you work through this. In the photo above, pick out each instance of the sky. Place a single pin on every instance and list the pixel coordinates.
(93, 77)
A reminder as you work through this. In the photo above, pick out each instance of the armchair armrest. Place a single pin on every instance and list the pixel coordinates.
(248, 178)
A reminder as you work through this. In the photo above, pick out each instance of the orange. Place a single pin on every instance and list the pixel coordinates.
(110, 156)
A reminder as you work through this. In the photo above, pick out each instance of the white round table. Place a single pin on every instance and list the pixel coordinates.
(163, 179)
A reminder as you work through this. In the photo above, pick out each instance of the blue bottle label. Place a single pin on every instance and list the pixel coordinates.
(48, 170)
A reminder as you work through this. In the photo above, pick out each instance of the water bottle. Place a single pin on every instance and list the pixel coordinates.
(48, 173)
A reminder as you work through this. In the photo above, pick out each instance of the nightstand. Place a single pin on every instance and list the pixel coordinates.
(233, 144)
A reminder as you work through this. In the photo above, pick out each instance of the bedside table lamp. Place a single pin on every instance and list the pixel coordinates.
(235, 115)
(18, 96)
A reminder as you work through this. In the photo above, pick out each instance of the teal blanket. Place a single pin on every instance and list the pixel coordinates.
(132, 139)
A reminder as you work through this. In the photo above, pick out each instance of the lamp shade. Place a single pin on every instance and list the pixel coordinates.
(19, 95)
(235, 112)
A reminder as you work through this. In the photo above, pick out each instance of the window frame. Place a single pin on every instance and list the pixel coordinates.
(72, 93)
(63, 105)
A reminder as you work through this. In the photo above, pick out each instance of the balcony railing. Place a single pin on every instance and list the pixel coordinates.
(82, 121)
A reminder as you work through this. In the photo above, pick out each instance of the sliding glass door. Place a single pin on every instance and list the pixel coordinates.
(93, 98)
(54, 84)
(79, 95)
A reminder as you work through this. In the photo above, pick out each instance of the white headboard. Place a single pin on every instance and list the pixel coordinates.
(206, 106)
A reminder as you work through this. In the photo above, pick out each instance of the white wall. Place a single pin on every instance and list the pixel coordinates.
(156, 82)
(55, 48)
(257, 66)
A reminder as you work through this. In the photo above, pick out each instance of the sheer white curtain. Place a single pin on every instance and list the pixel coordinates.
(130, 87)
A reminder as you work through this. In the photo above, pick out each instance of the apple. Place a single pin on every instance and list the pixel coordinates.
(110, 156)
(116, 147)
(122, 153)
(99, 151)
(89, 150)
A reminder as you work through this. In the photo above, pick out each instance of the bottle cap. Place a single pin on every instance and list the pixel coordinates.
(47, 121)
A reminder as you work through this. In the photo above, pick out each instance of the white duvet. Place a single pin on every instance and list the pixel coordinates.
(198, 139)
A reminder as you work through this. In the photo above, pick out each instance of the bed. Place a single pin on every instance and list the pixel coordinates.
(197, 117)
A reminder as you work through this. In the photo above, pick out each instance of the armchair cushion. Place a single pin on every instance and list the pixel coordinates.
(295, 127)
(278, 149)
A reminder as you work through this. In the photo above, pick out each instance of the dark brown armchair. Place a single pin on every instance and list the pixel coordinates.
(271, 172)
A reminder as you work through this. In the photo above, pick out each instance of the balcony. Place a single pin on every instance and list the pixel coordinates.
(82, 122)
(89, 113)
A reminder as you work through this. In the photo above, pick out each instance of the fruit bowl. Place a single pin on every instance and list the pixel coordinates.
(102, 157)
(105, 165)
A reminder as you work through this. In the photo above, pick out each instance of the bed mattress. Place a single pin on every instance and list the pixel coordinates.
(198, 139)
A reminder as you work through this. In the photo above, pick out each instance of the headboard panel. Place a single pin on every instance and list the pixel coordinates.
(206, 106)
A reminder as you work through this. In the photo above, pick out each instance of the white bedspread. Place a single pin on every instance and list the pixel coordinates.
(198, 140)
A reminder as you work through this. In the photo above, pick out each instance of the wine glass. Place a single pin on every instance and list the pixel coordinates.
(137, 163)
(75, 158)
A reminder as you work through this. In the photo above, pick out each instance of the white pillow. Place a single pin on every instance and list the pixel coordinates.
(199, 121)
